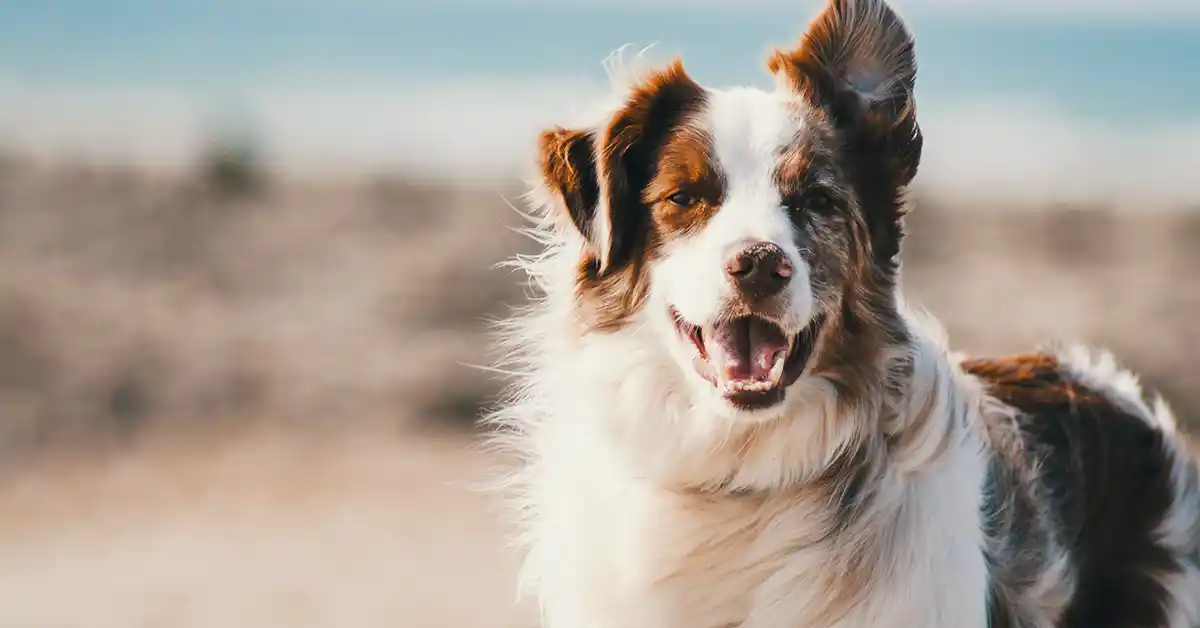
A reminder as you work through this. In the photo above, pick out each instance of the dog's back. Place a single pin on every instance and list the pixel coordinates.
(1098, 467)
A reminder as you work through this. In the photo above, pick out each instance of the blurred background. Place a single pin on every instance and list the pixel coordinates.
(246, 253)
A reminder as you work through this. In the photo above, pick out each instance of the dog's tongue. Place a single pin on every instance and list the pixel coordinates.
(745, 349)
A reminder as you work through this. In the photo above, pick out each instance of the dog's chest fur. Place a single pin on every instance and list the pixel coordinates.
(624, 553)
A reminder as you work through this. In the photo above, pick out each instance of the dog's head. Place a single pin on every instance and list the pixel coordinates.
(756, 233)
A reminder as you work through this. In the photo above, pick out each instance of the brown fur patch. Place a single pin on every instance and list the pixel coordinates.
(606, 301)
(1031, 379)
(685, 165)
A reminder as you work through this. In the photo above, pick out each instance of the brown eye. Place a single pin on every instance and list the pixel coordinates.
(682, 199)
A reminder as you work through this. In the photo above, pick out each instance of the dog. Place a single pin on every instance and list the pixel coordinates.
(726, 415)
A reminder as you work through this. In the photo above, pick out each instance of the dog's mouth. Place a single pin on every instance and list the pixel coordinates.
(749, 360)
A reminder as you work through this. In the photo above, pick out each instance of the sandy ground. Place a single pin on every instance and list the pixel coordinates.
(258, 533)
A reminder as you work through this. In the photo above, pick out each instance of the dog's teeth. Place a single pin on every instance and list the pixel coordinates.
(728, 385)
(742, 385)
(777, 369)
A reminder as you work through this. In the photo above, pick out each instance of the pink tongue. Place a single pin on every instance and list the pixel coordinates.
(744, 349)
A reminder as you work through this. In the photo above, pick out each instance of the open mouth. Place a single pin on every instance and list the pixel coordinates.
(749, 359)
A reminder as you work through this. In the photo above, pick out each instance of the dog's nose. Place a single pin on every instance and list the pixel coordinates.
(760, 270)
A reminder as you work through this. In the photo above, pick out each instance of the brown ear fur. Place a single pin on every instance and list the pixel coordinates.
(568, 166)
(600, 175)
(857, 62)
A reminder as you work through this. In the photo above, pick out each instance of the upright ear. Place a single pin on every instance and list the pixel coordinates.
(857, 63)
(600, 174)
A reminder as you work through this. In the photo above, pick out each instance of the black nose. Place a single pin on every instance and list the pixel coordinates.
(760, 270)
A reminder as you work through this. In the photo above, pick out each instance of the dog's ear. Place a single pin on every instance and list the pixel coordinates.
(600, 174)
(857, 62)
(568, 165)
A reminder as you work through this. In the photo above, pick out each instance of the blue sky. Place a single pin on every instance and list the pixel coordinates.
(1098, 49)
(211, 41)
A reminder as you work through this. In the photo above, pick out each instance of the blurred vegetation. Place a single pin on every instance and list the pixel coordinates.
(232, 165)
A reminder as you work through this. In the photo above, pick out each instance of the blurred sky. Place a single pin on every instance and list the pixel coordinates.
(1085, 98)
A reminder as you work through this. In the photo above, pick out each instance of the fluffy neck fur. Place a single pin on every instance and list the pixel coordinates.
(597, 419)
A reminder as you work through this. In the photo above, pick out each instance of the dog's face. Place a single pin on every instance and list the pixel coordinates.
(756, 232)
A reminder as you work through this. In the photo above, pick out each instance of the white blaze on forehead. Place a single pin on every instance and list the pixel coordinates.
(749, 130)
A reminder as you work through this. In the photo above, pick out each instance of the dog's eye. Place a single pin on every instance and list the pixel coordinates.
(819, 200)
(682, 199)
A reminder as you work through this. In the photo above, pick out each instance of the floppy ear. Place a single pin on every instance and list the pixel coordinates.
(600, 174)
(857, 63)
(568, 165)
